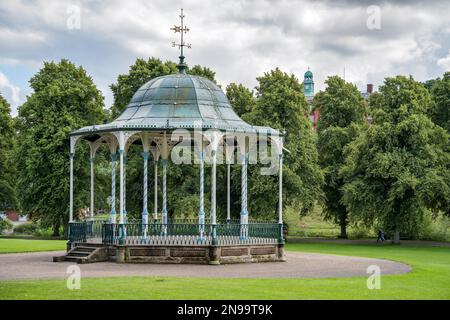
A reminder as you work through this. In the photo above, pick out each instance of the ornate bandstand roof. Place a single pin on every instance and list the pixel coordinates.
(178, 101)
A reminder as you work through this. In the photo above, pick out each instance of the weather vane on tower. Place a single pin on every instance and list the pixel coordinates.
(182, 29)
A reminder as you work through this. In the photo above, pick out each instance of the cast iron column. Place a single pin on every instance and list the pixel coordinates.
(71, 189)
(164, 198)
(214, 240)
(280, 200)
(91, 160)
(144, 209)
(113, 188)
(201, 213)
(244, 212)
(122, 196)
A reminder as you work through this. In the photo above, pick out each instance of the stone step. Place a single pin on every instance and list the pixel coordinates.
(77, 253)
(85, 249)
(89, 245)
(83, 253)
(74, 259)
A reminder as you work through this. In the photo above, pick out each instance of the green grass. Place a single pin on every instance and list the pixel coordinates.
(24, 245)
(430, 279)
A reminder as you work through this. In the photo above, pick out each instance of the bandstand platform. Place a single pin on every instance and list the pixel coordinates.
(176, 242)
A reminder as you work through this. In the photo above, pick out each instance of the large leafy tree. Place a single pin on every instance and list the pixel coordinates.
(241, 98)
(8, 173)
(341, 107)
(64, 98)
(440, 93)
(205, 72)
(282, 105)
(399, 167)
(140, 72)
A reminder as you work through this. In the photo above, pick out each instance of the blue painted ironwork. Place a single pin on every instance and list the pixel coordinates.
(78, 231)
(91, 201)
(201, 214)
(164, 196)
(71, 188)
(125, 160)
(188, 233)
(113, 188)
(145, 155)
(122, 223)
(244, 212)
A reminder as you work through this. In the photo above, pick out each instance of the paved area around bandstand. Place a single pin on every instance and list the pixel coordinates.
(39, 265)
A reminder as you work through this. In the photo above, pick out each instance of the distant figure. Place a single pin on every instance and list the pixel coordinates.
(380, 236)
(83, 213)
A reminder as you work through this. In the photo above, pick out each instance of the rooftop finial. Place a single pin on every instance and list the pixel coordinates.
(182, 29)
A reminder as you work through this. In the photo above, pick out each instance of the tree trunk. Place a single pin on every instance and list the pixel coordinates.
(396, 239)
(343, 225)
(56, 229)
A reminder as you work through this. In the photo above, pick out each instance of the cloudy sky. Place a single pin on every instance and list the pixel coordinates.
(239, 39)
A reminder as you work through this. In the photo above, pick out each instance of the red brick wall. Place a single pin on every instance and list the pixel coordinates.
(12, 215)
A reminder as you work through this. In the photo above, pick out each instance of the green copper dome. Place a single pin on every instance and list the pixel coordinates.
(178, 101)
(180, 98)
(308, 74)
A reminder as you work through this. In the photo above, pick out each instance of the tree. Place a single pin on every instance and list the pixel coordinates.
(440, 93)
(205, 72)
(399, 168)
(341, 107)
(140, 72)
(282, 105)
(64, 99)
(241, 99)
(8, 196)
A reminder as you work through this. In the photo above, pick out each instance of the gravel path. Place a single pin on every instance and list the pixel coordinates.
(39, 265)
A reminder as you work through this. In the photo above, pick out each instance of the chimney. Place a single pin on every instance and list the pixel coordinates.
(369, 88)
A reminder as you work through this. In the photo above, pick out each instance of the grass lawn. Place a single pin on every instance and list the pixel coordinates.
(430, 279)
(24, 245)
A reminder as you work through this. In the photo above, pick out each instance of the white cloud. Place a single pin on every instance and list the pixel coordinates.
(444, 62)
(9, 91)
(238, 39)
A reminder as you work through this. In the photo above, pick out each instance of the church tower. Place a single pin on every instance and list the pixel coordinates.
(308, 85)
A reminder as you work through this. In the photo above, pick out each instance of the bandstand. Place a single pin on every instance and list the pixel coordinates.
(166, 113)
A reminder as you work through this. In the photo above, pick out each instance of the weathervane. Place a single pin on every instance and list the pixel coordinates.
(182, 29)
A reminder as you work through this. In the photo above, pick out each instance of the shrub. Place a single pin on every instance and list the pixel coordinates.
(5, 225)
(360, 231)
(34, 229)
(435, 230)
(41, 232)
(26, 228)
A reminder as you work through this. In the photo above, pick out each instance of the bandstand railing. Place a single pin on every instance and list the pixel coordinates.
(176, 232)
